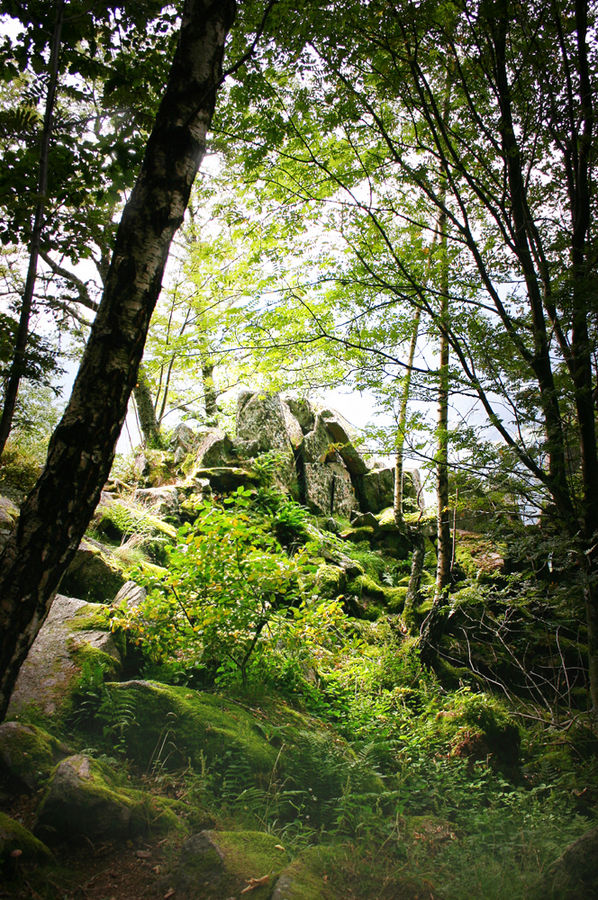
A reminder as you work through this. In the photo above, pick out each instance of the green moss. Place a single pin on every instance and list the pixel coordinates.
(85, 798)
(15, 839)
(195, 727)
(330, 581)
(358, 535)
(90, 658)
(253, 854)
(386, 518)
(29, 753)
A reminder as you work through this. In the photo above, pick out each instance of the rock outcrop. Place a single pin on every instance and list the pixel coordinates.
(68, 636)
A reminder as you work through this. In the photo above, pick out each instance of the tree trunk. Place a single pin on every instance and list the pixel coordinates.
(444, 548)
(54, 516)
(210, 394)
(18, 364)
(417, 567)
(146, 412)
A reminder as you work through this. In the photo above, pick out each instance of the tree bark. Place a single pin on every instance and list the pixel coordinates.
(54, 516)
(18, 364)
(444, 547)
(210, 394)
(146, 412)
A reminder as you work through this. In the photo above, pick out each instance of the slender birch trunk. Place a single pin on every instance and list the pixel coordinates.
(54, 516)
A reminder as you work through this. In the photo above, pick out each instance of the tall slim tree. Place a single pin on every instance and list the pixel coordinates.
(56, 513)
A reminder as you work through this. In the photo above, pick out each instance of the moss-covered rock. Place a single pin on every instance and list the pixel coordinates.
(17, 844)
(84, 799)
(196, 727)
(28, 754)
(93, 574)
(63, 645)
(175, 727)
(574, 876)
(330, 581)
(214, 865)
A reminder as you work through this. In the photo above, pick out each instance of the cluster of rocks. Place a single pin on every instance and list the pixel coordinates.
(317, 461)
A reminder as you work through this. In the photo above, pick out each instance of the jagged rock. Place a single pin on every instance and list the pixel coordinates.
(213, 448)
(53, 664)
(302, 411)
(328, 489)
(130, 593)
(182, 438)
(343, 435)
(266, 419)
(92, 575)
(84, 800)
(214, 865)
(365, 520)
(326, 482)
(163, 501)
(226, 478)
(28, 754)
(266, 422)
(17, 843)
(377, 489)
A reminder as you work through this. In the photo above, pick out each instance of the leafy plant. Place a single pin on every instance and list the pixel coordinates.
(227, 587)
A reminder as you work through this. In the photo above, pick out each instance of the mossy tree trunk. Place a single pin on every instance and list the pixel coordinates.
(54, 516)
(148, 423)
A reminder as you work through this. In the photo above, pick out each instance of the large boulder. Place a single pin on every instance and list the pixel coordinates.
(162, 501)
(265, 424)
(377, 489)
(19, 846)
(69, 636)
(267, 420)
(327, 485)
(213, 448)
(343, 436)
(215, 865)
(85, 800)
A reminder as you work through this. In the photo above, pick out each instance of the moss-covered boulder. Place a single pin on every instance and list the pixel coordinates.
(18, 846)
(176, 727)
(194, 727)
(215, 865)
(71, 636)
(85, 799)
(225, 479)
(28, 754)
(331, 581)
(93, 574)
(574, 875)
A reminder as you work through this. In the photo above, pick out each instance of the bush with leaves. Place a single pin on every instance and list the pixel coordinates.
(225, 597)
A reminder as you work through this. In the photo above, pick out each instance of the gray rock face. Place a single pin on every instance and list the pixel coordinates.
(213, 448)
(265, 423)
(51, 668)
(327, 483)
(91, 574)
(301, 409)
(377, 489)
(262, 418)
(183, 438)
(130, 593)
(163, 501)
